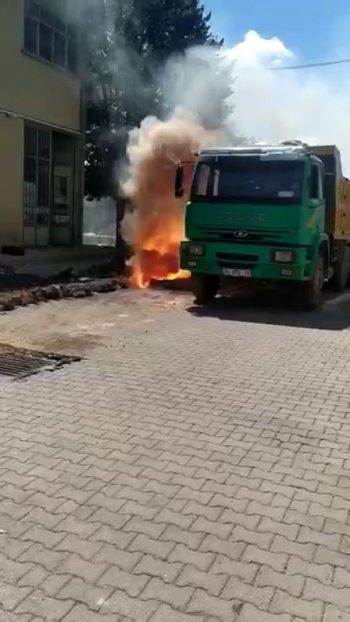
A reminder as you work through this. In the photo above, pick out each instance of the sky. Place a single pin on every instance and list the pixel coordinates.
(310, 27)
(309, 104)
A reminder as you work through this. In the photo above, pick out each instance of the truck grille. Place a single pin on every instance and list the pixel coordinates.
(221, 234)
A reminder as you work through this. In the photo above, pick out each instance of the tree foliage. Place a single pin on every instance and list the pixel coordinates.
(128, 44)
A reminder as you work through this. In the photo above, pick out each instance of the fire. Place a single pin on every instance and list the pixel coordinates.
(155, 227)
(151, 265)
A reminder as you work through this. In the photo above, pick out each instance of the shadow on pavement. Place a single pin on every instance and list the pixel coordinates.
(268, 308)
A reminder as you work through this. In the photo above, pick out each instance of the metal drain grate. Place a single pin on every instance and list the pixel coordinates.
(20, 364)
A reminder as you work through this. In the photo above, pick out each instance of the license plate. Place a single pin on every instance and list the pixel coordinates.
(246, 274)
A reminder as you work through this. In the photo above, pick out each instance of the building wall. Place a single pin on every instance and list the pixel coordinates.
(30, 86)
(38, 92)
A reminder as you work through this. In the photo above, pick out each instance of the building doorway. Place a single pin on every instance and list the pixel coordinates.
(49, 188)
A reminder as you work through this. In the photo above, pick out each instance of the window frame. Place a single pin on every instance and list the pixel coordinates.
(60, 28)
(315, 169)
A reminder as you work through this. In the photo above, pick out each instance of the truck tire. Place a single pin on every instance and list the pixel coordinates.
(341, 272)
(311, 296)
(204, 287)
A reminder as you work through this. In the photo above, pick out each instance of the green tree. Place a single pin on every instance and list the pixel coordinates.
(128, 44)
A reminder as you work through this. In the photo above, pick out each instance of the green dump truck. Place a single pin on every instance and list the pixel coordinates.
(277, 213)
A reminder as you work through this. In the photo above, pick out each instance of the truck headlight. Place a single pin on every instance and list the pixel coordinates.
(196, 249)
(283, 256)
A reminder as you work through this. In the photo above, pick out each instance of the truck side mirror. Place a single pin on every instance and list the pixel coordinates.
(179, 191)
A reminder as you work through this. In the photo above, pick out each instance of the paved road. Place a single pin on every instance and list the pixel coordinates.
(192, 468)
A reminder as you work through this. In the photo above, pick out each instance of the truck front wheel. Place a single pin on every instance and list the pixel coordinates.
(311, 295)
(204, 287)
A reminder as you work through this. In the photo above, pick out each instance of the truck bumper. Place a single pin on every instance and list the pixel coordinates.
(258, 260)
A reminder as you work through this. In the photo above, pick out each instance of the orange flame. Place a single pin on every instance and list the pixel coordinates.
(155, 227)
(151, 265)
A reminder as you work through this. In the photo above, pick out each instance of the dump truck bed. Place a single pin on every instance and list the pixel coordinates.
(337, 192)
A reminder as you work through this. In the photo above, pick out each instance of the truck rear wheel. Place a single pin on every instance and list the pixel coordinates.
(204, 287)
(341, 274)
(311, 295)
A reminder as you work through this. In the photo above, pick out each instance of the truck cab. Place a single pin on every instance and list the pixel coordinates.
(257, 213)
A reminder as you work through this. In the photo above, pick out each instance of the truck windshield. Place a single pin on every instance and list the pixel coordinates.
(248, 179)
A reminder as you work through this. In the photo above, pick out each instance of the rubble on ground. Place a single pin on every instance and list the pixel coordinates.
(22, 289)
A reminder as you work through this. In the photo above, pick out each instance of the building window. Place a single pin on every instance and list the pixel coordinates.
(49, 36)
(37, 175)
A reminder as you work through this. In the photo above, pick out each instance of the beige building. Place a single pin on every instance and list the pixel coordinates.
(41, 125)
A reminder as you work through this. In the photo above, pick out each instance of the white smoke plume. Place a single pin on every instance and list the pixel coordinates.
(269, 104)
(310, 104)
